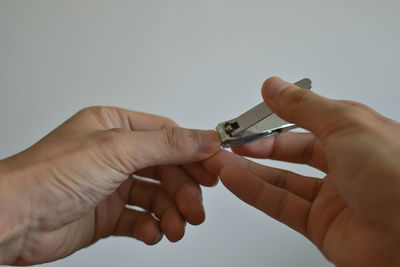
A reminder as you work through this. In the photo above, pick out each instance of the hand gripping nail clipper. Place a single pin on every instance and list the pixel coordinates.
(256, 123)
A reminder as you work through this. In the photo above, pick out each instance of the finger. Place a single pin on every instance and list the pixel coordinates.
(305, 108)
(153, 172)
(128, 151)
(102, 117)
(151, 197)
(195, 170)
(140, 225)
(182, 188)
(291, 147)
(139, 121)
(200, 174)
(186, 193)
(304, 187)
(278, 203)
(112, 117)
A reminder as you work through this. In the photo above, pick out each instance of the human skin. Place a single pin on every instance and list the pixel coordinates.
(353, 214)
(72, 187)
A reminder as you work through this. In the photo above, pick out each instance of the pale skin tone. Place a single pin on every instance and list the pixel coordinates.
(73, 187)
(353, 214)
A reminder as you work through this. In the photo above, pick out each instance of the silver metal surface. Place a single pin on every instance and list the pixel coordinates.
(258, 122)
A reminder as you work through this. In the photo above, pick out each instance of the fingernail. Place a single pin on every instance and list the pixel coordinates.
(209, 141)
(273, 86)
(159, 237)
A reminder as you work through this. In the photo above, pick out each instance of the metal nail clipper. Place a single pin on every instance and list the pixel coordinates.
(256, 123)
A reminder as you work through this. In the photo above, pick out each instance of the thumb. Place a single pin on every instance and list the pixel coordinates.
(302, 107)
(136, 150)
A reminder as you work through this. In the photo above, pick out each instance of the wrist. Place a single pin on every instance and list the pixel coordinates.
(14, 213)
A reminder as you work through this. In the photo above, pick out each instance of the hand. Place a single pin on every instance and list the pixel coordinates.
(353, 214)
(71, 188)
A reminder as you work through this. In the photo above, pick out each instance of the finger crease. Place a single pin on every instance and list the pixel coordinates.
(257, 197)
(316, 188)
(152, 203)
(308, 152)
(282, 204)
(128, 199)
(248, 165)
(281, 179)
(274, 149)
(130, 123)
(157, 172)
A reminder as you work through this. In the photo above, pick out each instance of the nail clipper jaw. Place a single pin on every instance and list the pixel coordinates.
(252, 134)
(223, 134)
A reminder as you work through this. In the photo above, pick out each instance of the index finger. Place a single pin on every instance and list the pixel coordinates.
(105, 118)
(138, 121)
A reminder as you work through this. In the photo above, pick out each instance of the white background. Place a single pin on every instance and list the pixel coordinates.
(199, 63)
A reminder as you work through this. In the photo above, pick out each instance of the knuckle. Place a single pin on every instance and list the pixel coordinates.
(178, 138)
(349, 115)
(281, 179)
(281, 206)
(354, 104)
(348, 118)
(173, 137)
(109, 137)
(92, 110)
(100, 114)
(95, 111)
(360, 113)
(169, 122)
